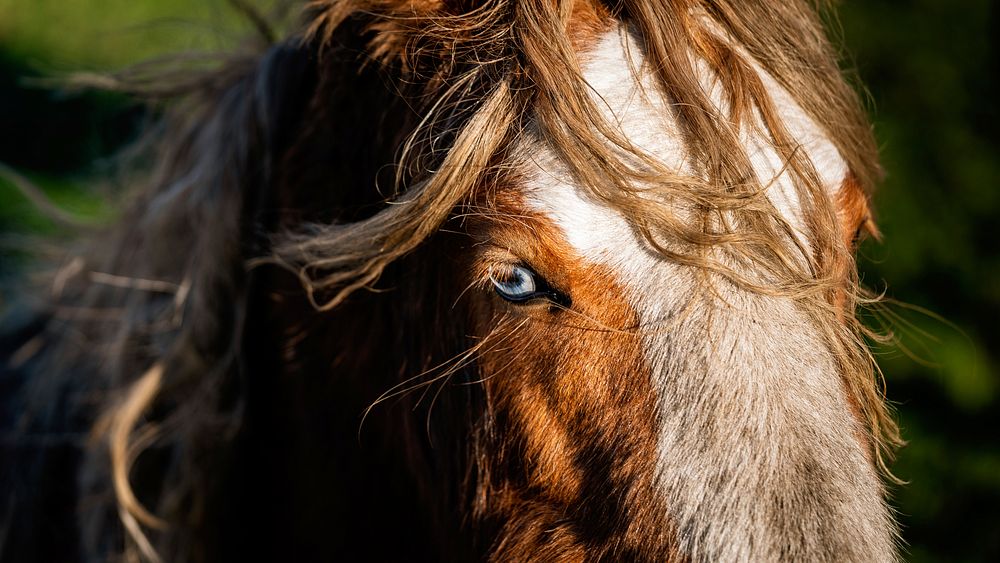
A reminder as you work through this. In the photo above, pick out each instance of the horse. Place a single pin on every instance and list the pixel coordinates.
(443, 280)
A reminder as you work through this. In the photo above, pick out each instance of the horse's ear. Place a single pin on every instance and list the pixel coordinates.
(854, 213)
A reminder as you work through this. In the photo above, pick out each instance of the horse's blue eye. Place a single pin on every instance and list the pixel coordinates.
(517, 284)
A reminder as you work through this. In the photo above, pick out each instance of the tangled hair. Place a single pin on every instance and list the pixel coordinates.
(238, 162)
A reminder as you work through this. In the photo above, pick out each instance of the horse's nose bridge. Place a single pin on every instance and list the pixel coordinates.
(728, 342)
(754, 426)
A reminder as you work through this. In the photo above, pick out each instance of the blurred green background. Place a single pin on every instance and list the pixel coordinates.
(931, 69)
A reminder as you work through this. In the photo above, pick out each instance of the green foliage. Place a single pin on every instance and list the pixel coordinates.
(18, 214)
(930, 69)
(102, 34)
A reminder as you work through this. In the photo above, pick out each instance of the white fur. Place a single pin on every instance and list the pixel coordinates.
(758, 459)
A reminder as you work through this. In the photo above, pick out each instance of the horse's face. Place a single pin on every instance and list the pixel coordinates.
(639, 409)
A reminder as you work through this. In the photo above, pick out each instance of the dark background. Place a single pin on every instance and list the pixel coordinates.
(931, 72)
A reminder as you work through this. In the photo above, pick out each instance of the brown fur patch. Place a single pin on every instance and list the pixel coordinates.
(854, 212)
(854, 219)
(587, 22)
(574, 396)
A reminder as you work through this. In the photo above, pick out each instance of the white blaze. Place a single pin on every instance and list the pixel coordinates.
(757, 457)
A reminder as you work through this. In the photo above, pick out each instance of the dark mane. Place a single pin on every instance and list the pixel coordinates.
(265, 144)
